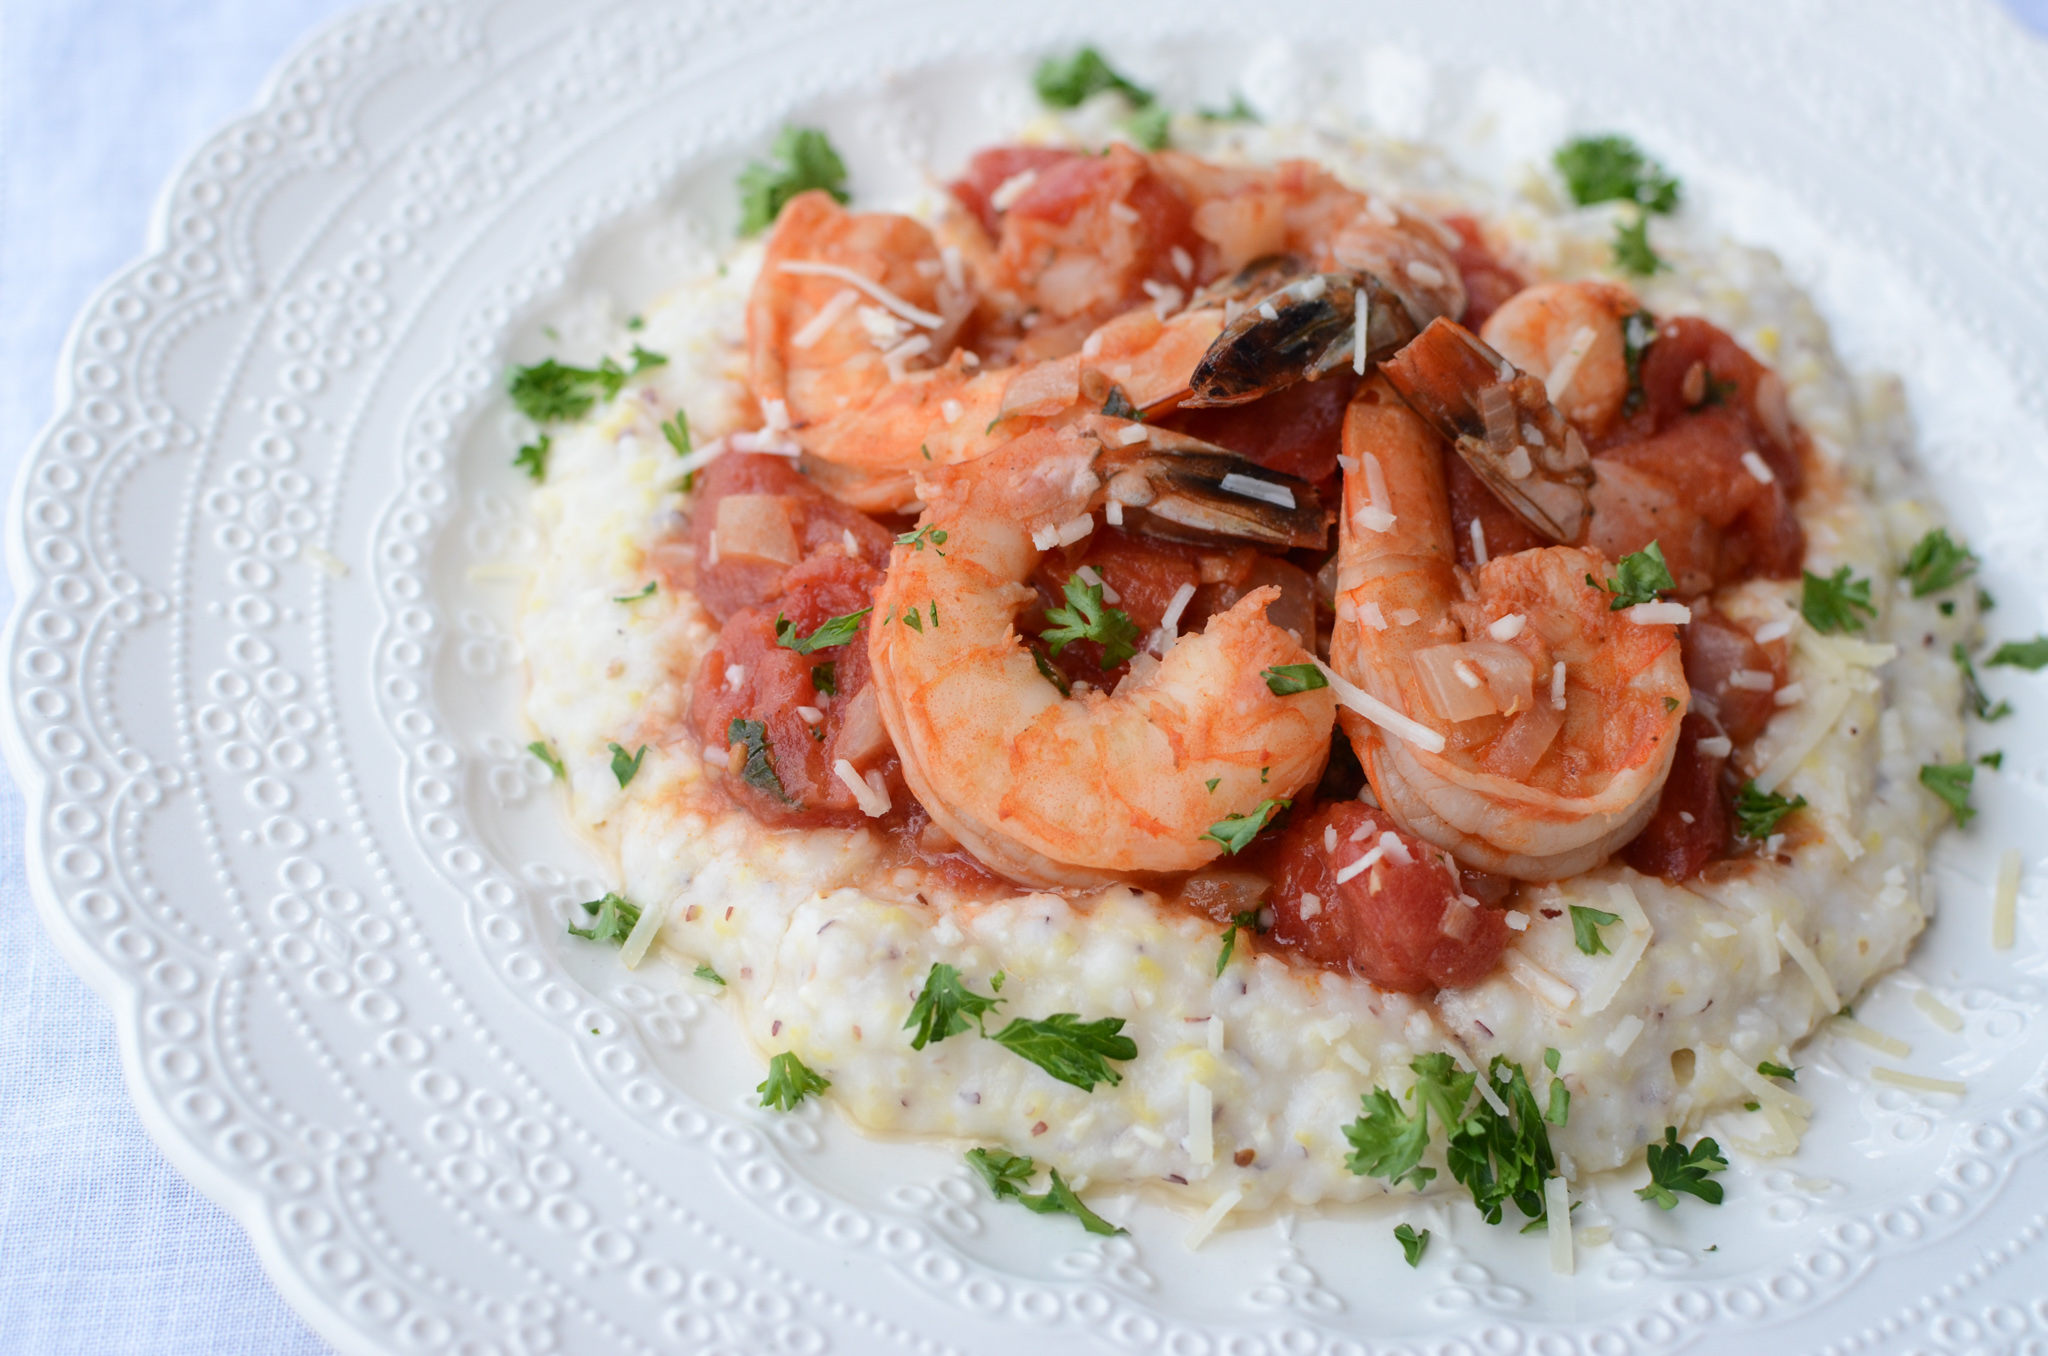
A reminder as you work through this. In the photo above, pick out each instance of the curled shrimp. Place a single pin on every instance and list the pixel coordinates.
(1570, 336)
(1531, 728)
(1080, 789)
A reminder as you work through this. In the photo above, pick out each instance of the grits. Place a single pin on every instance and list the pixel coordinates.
(824, 946)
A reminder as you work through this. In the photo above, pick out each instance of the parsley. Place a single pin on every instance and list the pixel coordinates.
(1830, 605)
(1085, 618)
(2030, 655)
(1119, 406)
(1637, 333)
(1065, 83)
(1980, 705)
(1719, 392)
(1586, 925)
(1985, 602)
(912, 620)
(801, 159)
(1757, 812)
(615, 920)
(647, 592)
(549, 392)
(1770, 1070)
(1285, 680)
(1613, 168)
(1006, 1175)
(1211, 784)
(944, 1007)
(1671, 703)
(789, 1081)
(1412, 1243)
(1239, 111)
(1151, 127)
(1951, 782)
(1936, 563)
(677, 431)
(834, 631)
(1560, 1109)
(540, 750)
(1236, 832)
(1388, 1142)
(1248, 920)
(1633, 253)
(643, 359)
(1993, 760)
(1639, 578)
(995, 981)
(916, 540)
(1049, 673)
(1675, 1168)
(759, 770)
(1071, 1050)
(1500, 1158)
(626, 767)
(709, 975)
(533, 458)
(636, 323)
(825, 677)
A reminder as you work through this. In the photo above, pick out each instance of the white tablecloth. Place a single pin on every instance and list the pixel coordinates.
(104, 1249)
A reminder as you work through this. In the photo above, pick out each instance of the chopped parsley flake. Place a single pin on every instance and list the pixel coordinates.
(615, 920)
(643, 359)
(1085, 618)
(549, 392)
(1235, 832)
(1675, 1168)
(825, 677)
(540, 750)
(2022, 654)
(945, 1006)
(1633, 253)
(1936, 563)
(1497, 1157)
(1248, 920)
(1049, 673)
(1239, 111)
(1071, 1050)
(1413, 1244)
(1586, 925)
(1287, 679)
(1007, 1174)
(1614, 168)
(1951, 782)
(1151, 127)
(1639, 578)
(626, 766)
(759, 770)
(916, 540)
(677, 431)
(1831, 604)
(1560, 1109)
(1770, 1070)
(709, 975)
(1637, 333)
(1757, 812)
(1212, 783)
(1993, 760)
(789, 1081)
(833, 631)
(1067, 82)
(802, 159)
(912, 620)
(533, 458)
(1981, 706)
(647, 592)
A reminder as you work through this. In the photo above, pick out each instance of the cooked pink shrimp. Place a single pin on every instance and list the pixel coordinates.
(1083, 789)
(1520, 723)
(1569, 336)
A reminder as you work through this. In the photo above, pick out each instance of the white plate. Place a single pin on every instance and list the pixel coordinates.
(281, 820)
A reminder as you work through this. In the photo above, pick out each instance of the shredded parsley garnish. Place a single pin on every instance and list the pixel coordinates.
(801, 159)
(833, 631)
(2021, 654)
(1071, 1050)
(1831, 604)
(1085, 618)
(1757, 812)
(1981, 706)
(1633, 253)
(647, 592)
(945, 1006)
(626, 766)
(1675, 1168)
(912, 620)
(1051, 674)
(709, 975)
(1770, 1070)
(1498, 1158)
(677, 432)
(1248, 920)
(1119, 406)
(1007, 1174)
(1235, 832)
(1586, 925)
(1067, 82)
(1936, 563)
(644, 359)
(540, 750)
(1993, 760)
(1412, 1243)
(1637, 333)
(1639, 578)
(916, 540)
(759, 770)
(533, 458)
(1388, 1142)
(789, 1081)
(1151, 127)
(1614, 168)
(549, 392)
(1284, 680)
(615, 920)
(825, 677)
(1560, 1109)
(1951, 782)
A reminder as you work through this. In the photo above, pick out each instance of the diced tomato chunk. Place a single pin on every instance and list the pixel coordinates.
(1729, 379)
(1716, 651)
(989, 170)
(1142, 572)
(1690, 825)
(1404, 923)
(1297, 431)
(1505, 532)
(1700, 455)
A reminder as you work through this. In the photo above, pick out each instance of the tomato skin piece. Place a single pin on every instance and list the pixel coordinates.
(1690, 826)
(1387, 923)
(989, 170)
(1715, 649)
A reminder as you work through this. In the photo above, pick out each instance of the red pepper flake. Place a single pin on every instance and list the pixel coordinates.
(1039, 1128)
(1243, 1157)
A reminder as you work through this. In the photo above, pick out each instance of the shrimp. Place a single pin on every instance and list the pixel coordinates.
(1570, 336)
(1087, 788)
(1519, 723)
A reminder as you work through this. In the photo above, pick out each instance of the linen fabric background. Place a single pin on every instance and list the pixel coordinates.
(104, 1248)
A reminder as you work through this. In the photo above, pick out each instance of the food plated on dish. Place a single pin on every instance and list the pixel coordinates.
(1245, 664)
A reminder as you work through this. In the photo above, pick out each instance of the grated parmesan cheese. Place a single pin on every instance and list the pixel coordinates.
(1802, 956)
(1864, 1035)
(2005, 899)
(1201, 1129)
(1212, 1217)
(916, 315)
(1378, 712)
(1917, 1082)
(1557, 1208)
(1937, 1012)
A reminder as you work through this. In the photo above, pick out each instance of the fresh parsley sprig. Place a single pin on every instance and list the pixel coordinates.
(615, 917)
(758, 771)
(2030, 655)
(801, 159)
(1633, 253)
(1936, 563)
(1249, 921)
(1085, 618)
(833, 631)
(1614, 168)
(1831, 604)
(1071, 1050)
(626, 766)
(1951, 783)
(1586, 925)
(1006, 1175)
(1235, 832)
(1067, 82)
(1497, 1156)
(539, 749)
(789, 1081)
(1980, 705)
(945, 1007)
(1757, 812)
(1413, 1243)
(1284, 680)
(1638, 578)
(1675, 1168)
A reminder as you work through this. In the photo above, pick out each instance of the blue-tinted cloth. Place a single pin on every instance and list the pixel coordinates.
(104, 1248)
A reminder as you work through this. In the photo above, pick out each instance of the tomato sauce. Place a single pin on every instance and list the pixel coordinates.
(1297, 430)
(1488, 281)
(1691, 824)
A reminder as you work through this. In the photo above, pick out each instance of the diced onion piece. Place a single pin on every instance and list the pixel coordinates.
(1212, 1217)
(861, 732)
(1201, 1137)
(1370, 614)
(1863, 1035)
(756, 528)
(1478, 542)
(1938, 1012)
(1355, 698)
(1557, 1209)
(1517, 921)
(1624, 1035)
(1656, 614)
(2005, 899)
(813, 268)
(1517, 750)
(1752, 680)
(1538, 981)
(1802, 956)
(1898, 1078)
(1113, 510)
(1508, 627)
(1047, 537)
(1458, 696)
(1715, 746)
(1789, 695)
(1132, 434)
(1251, 487)
(1557, 685)
(872, 799)
(642, 935)
(1074, 529)
(1771, 631)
